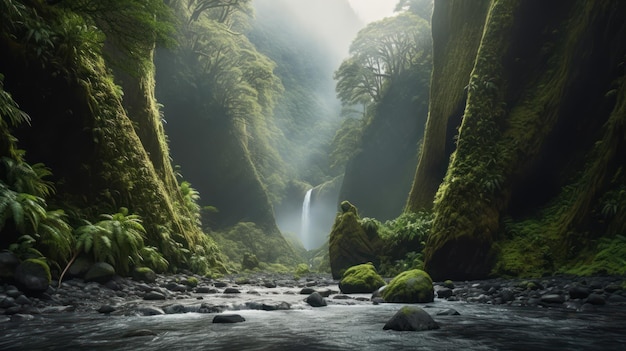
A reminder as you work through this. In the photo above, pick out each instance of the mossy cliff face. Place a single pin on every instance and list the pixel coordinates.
(455, 43)
(349, 244)
(536, 175)
(81, 129)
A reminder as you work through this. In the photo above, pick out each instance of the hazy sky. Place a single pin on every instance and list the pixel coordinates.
(373, 10)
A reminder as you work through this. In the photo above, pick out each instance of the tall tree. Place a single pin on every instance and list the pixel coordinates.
(382, 51)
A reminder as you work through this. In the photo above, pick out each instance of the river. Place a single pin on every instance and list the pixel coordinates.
(335, 327)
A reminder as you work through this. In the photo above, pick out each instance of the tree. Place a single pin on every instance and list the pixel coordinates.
(382, 51)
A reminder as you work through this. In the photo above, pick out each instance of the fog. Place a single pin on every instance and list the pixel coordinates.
(313, 38)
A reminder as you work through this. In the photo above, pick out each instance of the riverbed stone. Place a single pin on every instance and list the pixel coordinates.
(228, 318)
(411, 318)
(144, 274)
(553, 298)
(154, 295)
(106, 309)
(579, 292)
(150, 311)
(100, 272)
(174, 309)
(444, 293)
(307, 291)
(413, 286)
(79, 267)
(361, 278)
(316, 300)
(596, 299)
(448, 312)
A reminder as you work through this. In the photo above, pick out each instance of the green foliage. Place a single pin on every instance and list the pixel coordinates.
(24, 247)
(116, 239)
(10, 116)
(407, 232)
(25, 210)
(247, 237)
(391, 268)
(152, 258)
(610, 258)
(382, 50)
(302, 269)
(55, 236)
(345, 142)
(132, 27)
(249, 261)
(190, 200)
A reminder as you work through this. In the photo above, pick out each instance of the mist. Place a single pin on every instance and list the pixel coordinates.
(307, 40)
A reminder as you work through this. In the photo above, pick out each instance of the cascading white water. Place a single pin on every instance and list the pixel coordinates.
(306, 219)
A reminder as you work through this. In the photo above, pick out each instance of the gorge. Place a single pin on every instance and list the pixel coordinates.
(270, 146)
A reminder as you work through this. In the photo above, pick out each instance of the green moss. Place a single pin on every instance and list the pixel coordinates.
(362, 278)
(410, 287)
(191, 281)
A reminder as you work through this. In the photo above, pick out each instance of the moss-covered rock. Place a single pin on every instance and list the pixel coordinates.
(144, 274)
(410, 287)
(33, 275)
(348, 243)
(362, 278)
(191, 282)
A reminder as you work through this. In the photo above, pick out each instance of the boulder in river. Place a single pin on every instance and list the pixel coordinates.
(411, 318)
(228, 318)
(361, 278)
(410, 287)
(316, 300)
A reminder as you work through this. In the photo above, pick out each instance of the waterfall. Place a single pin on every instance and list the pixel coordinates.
(306, 218)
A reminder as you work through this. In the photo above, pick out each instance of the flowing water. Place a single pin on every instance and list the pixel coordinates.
(306, 219)
(335, 327)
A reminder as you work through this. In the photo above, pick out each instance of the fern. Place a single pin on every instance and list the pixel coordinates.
(152, 258)
(55, 236)
(24, 178)
(190, 200)
(126, 235)
(26, 210)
